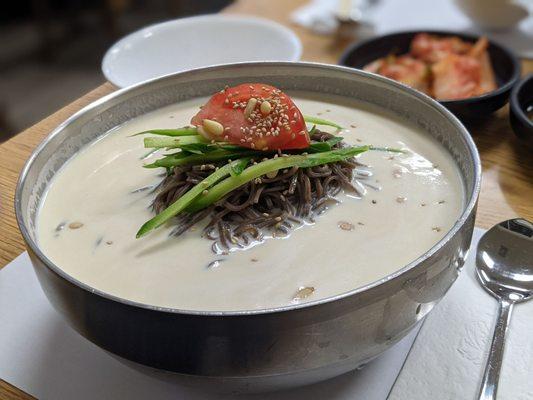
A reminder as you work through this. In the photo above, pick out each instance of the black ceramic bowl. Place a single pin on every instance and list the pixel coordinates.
(521, 99)
(505, 64)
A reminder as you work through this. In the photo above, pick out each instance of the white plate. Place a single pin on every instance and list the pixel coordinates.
(195, 42)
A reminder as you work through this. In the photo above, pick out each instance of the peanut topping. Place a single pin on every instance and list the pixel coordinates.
(213, 127)
(266, 108)
(267, 115)
(250, 106)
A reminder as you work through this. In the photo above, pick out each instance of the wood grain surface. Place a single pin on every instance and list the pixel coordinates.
(507, 188)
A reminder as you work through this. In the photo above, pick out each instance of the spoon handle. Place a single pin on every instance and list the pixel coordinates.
(494, 361)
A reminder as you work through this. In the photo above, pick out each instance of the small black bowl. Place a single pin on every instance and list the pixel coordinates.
(521, 99)
(505, 64)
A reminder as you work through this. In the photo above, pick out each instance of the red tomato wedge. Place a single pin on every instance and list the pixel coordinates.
(253, 115)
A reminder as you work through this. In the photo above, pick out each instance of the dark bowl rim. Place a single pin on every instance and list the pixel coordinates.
(508, 85)
(514, 103)
(469, 207)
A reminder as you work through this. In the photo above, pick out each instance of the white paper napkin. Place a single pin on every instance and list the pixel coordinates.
(396, 15)
(448, 357)
(44, 357)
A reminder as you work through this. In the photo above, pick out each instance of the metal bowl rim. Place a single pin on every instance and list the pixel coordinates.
(468, 209)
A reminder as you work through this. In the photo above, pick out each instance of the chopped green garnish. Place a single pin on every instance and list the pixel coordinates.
(319, 121)
(203, 148)
(236, 169)
(184, 158)
(170, 132)
(180, 204)
(324, 146)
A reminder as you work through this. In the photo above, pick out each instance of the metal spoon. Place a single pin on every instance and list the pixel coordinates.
(504, 264)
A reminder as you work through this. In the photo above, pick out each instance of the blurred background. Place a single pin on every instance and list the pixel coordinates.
(50, 50)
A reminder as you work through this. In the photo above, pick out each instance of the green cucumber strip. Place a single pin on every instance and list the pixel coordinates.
(170, 132)
(274, 164)
(171, 142)
(177, 159)
(180, 204)
(319, 121)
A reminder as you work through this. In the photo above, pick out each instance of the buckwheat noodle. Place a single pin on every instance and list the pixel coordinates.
(275, 205)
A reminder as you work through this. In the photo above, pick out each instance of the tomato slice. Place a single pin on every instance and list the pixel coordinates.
(253, 115)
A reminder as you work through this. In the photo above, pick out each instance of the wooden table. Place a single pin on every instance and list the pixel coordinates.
(507, 189)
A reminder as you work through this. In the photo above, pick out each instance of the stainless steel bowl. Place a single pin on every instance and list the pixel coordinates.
(261, 349)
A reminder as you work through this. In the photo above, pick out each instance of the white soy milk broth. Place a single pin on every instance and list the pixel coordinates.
(420, 199)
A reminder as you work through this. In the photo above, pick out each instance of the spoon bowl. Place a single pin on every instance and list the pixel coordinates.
(504, 260)
(504, 265)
